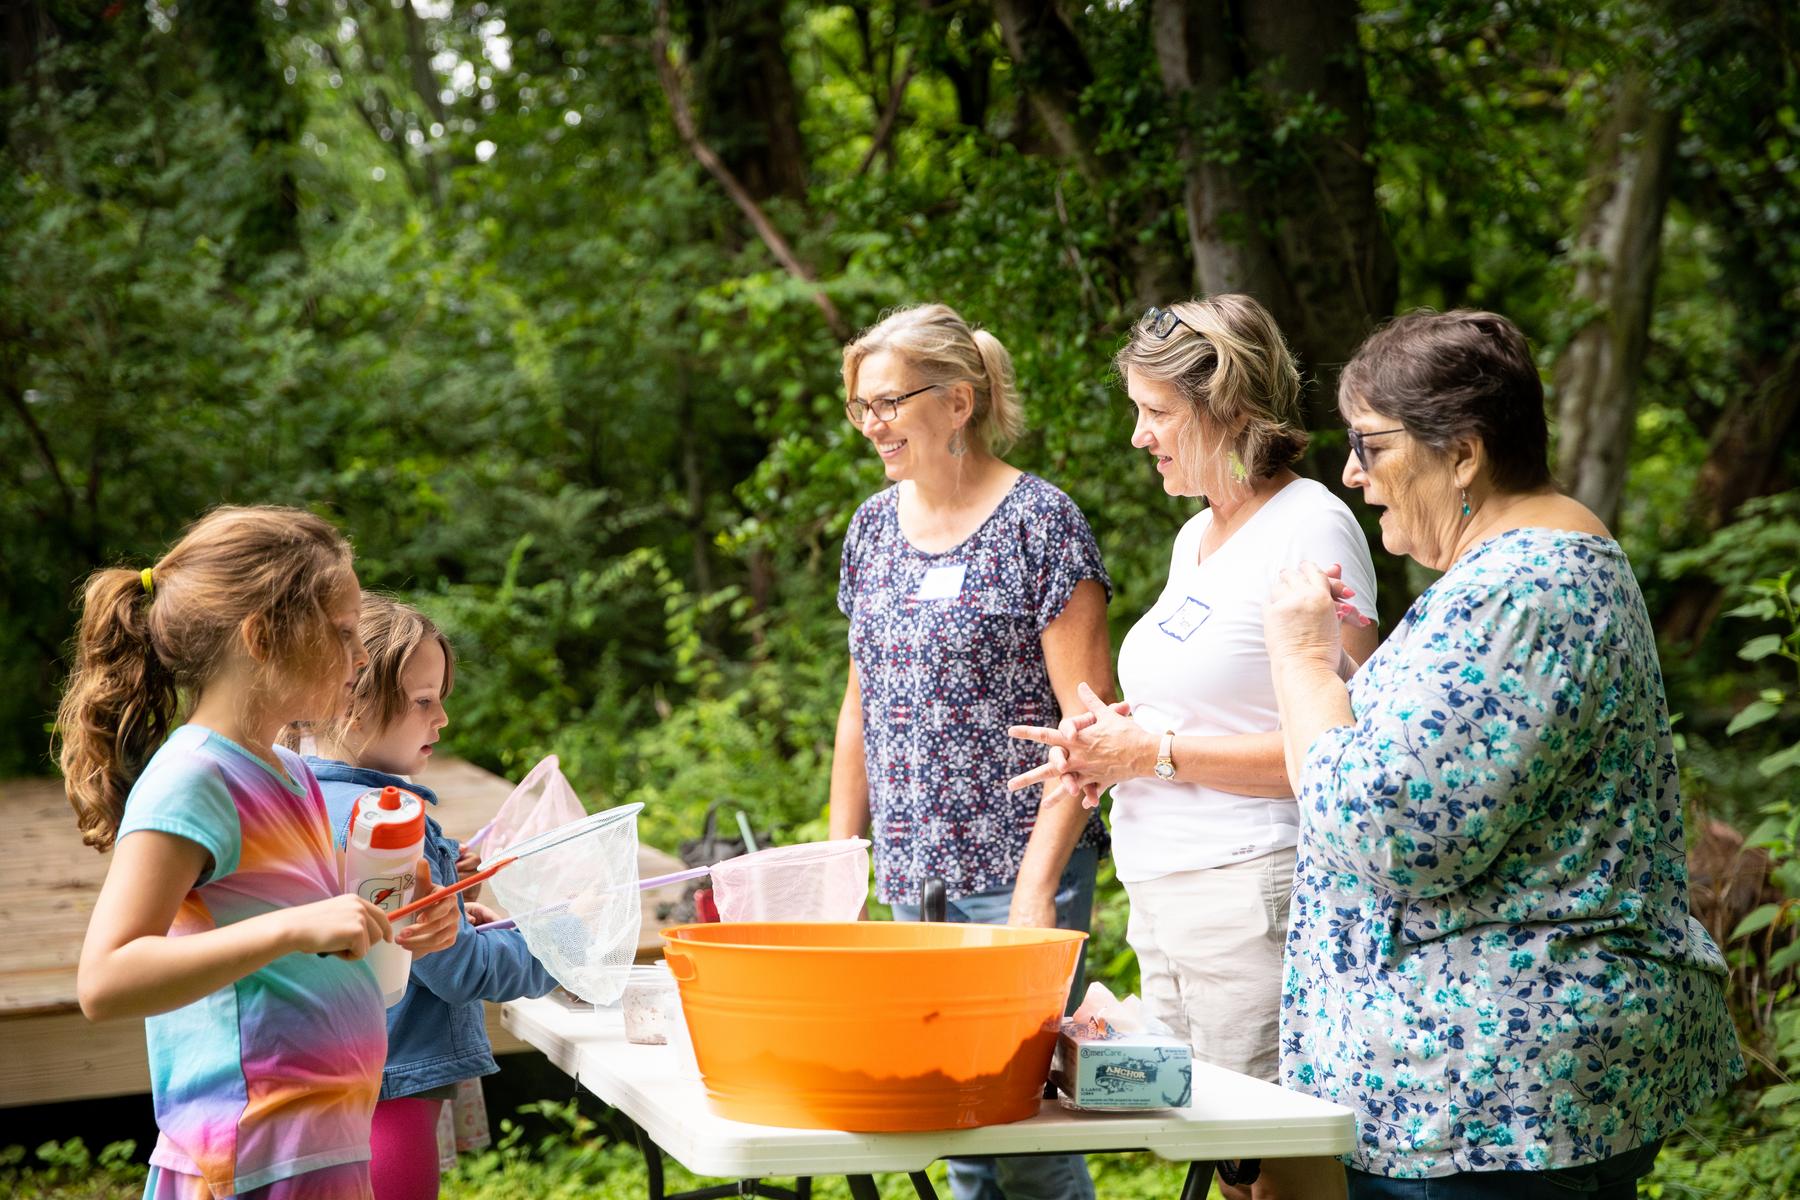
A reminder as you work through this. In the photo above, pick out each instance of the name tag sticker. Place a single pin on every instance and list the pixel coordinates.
(1190, 616)
(942, 583)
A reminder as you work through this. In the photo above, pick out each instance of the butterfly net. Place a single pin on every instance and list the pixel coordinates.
(574, 895)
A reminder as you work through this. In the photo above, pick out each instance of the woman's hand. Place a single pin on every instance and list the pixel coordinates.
(1032, 909)
(1065, 784)
(1300, 621)
(434, 927)
(1100, 747)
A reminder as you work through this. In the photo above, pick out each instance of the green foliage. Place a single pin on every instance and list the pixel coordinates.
(69, 1171)
(1746, 1144)
(532, 359)
(572, 1158)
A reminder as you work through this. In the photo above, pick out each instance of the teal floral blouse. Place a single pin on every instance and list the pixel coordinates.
(1490, 956)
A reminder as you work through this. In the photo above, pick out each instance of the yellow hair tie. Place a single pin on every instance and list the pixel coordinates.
(149, 584)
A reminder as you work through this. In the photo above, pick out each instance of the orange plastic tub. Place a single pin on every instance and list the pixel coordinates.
(873, 1025)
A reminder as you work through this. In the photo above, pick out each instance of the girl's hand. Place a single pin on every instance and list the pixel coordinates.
(467, 863)
(434, 927)
(1300, 621)
(1101, 747)
(478, 914)
(343, 925)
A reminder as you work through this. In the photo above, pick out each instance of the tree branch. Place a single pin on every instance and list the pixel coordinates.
(771, 237)
(41, 442)
(890, 114)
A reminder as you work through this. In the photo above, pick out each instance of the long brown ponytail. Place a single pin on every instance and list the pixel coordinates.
(146, 636)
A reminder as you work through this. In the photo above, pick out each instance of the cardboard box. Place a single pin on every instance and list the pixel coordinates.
(1096, 1067)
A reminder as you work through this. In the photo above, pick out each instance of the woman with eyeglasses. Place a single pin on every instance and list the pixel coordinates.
(1203, 819)
(977, 600)
(1492, 958)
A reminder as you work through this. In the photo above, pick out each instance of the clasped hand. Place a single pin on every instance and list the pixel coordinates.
(1089, 751)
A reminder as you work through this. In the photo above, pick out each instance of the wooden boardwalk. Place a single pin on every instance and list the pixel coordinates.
(48, 1050)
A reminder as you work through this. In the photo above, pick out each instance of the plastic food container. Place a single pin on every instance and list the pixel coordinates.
(873, 1026)
(651, 1005)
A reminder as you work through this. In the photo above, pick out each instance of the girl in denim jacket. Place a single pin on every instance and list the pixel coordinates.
(436, 1034)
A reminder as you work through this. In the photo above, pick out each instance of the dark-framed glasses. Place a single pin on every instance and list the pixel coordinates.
(885, 408)
(1161, 322)
(1357, 439)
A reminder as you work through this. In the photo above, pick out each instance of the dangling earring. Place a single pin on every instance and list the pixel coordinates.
(1465, 496)
(1238, 472)
(957, 446)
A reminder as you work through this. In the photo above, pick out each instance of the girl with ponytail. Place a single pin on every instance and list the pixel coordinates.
(220, 919)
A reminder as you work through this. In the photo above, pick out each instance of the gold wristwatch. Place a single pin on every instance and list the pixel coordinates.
(1165, 756)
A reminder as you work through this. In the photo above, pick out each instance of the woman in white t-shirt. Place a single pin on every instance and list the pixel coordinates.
(1204, 823)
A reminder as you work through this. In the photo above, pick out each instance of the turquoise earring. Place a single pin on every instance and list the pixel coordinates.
(1465, 498)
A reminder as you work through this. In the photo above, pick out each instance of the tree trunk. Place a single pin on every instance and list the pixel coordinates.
(1308, 243)
(270, 111)
(686, 126)
(425, 83)
(1194, 45)
(1292, 222)
(749, 109)
(1742, 458)
(27, 24)
(970, 70)
(1054, 71)
(1330, 236)
(1616, 253)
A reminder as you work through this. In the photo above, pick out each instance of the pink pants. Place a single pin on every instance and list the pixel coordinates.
(403, 1159)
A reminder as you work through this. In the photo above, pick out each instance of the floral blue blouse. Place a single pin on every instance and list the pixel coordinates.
(949, 650)
(1490, 956)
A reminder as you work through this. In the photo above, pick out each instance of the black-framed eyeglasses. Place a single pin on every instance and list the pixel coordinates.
(1162, 322)
(884, 407)
(1357, 439)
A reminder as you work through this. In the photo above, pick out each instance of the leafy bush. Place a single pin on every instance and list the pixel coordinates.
(68, 1171)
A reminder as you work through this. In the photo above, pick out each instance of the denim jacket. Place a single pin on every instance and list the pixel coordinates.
(436, 1033)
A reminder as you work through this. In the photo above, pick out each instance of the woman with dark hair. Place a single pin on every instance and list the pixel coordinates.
(1491, 956)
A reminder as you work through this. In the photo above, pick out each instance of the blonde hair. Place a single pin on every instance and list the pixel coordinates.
(390, 632)
(138, 645)
(943, 348)
(1228, 360)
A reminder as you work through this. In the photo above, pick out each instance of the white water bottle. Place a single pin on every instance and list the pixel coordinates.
(381, 862)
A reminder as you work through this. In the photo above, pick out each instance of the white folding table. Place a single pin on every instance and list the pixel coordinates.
(1232, 1117)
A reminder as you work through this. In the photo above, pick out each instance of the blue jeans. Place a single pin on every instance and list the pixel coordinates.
(1612, 1178)
(1037, 1176)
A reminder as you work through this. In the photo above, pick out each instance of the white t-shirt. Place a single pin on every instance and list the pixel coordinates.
(1195, 663)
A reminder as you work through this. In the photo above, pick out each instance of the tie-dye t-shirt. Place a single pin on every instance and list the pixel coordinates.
(276, 1074)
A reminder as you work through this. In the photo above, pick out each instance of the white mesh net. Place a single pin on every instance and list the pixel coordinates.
(574, 895)
(815, 881)
(543, 801)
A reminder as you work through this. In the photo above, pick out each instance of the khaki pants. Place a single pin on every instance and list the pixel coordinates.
(1209, 947)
